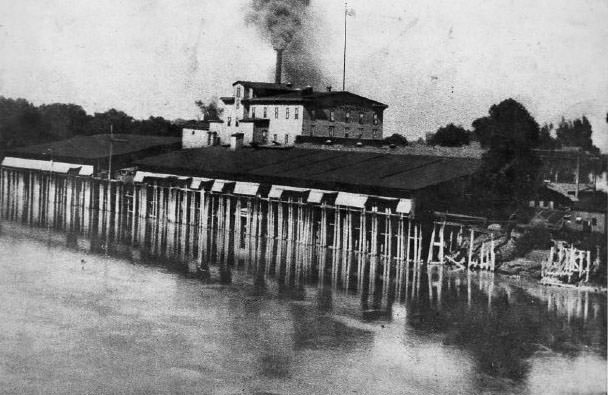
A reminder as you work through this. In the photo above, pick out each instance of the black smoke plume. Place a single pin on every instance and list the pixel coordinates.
(289, 25)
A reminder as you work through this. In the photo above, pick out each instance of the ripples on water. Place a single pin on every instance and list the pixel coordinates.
(250, 315)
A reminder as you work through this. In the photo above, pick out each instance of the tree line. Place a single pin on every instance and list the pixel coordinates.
(22, 123)
(568, 133)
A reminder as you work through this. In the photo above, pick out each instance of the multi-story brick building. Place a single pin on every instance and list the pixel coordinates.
(275, 113)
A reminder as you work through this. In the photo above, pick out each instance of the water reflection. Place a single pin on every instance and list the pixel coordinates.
(501, 324)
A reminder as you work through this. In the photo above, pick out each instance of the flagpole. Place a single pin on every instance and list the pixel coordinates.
(344, 65)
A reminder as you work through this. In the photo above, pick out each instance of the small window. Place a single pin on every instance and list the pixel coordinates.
(275, 138)
(276, 113)
(193, 132)
(312, 130)
(313, 115)
(347, 117)
(236, 122)
(375, 118)
(332, 131)
(286, 139)
(346, 132)
(296, 113)
(360, 117)
(265, 112)
(286, 112)
(229, 121)
(375, 133)
(332, 116)
(238, 91)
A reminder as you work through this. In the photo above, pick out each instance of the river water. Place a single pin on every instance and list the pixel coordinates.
(83, 316)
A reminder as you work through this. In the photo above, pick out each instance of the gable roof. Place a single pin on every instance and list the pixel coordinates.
(323, 99)
(264, 85)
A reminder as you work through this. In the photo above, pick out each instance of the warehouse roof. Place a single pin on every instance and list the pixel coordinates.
(96, 146)
(360, 171)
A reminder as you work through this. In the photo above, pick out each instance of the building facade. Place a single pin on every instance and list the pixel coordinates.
(276, 114)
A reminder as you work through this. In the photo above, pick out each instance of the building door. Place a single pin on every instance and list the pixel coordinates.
(264, 137)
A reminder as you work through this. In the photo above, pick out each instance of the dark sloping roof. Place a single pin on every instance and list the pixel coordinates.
(263, 85)
(96, 146)
(343, 170)
(320, 98)
(257, 121)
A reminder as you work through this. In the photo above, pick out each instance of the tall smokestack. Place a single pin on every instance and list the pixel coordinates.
(279, 68)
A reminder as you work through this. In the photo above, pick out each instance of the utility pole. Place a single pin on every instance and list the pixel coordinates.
(110, 159)
(112, 141)
(344, 60)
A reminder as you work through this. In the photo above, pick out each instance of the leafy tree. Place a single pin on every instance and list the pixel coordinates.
(64, 120)
(450, 136)
(22, 123)
(509, 172)
(545, 139)
(508, 123)
(576, 133)
(397, 139)
(211, 111)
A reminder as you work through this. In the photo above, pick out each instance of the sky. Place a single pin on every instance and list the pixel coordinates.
(433, 63)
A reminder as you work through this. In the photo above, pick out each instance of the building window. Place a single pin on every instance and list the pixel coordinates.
(332, 131)
(347, 117)
(276, 113)
(374, 133)
(594, 221)
(286, 112)
(313, 115)
(238, 91)
(193, 132)
(265, 112)
(236, 122)
(332, 117)
(346, 132)
(360, 117)
(238, 104)
(286, 139)
(296, 113)
(253, 112)
(375, 118)
(274, 138)
(229, 121)
(312, 130)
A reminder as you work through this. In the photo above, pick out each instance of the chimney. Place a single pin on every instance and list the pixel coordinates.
(279, 68)
(236, 141)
